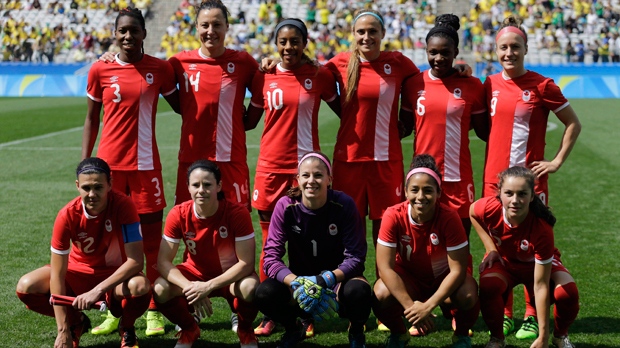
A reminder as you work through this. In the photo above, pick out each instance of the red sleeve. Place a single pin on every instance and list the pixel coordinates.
(454, 231)
(127, 211)
(552, 96)
(61, 235)
(252, 65)
(479, 104)
(257, 90)
(328, 82)
(408, 94)
(241, 222)
(93, 87)
(480, 207)
(407, 66)
(174, 224)
(170, 80)
(390, 227)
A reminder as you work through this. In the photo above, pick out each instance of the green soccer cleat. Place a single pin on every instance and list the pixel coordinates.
(154, 323)
(529, 329)
(109, 325)
(509, 325)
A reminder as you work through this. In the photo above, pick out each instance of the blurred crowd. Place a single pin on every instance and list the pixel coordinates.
(576, 30)
(74, 30)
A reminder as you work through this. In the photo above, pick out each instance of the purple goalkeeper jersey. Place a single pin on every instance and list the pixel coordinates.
(324, 239)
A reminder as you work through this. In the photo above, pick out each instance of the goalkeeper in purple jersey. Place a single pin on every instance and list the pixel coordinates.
(326, 252)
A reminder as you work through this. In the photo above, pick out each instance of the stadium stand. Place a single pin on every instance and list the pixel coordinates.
(559, 31)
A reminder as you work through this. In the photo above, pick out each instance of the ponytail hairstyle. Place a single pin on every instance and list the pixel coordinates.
(537, 206)
(133, 13)
(512, 24)
(207, 166)
(301, 29)
(295, 191)
(353, 68)
(211, 4)
(426, 164)
(446, 26)
(93, 165)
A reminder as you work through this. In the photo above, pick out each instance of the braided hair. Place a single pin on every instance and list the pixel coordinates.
(446, 26)
(133, 13)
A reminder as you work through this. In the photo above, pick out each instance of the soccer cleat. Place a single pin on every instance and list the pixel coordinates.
(79, 329)
(154, 323)
(291, 338)
(495, 342)
(234, 321)
(357, 340)
(247, 339)
(529, 329)
(308, 325)
(562, 342)
(128, 337)
(187, 337)
(469, 333)
(509, 325)
(397, 340)
(461, 342)
(265, 328)
(381, 326)
(108, 326)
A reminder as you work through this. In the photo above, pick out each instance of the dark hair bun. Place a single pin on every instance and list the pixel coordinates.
(448, 20)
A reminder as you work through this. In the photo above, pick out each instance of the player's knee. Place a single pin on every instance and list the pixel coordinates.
(271, 293)
(138, 286)
(467, 294)
(381, 291)
(247, 288)
(491, 286)
(161, 290)
(26, 285)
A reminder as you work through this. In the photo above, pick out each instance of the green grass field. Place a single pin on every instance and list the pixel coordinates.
(40, 143)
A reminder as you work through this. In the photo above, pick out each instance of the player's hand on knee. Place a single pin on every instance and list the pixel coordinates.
(203, 308)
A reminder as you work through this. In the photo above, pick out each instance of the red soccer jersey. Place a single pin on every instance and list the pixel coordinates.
(129, 93)
(369, 123)
(209, 242)
(291, 99)
(443, 109)
(212, 92)
(422, 249)
(531, 241)
(97, 240)
(518, 110)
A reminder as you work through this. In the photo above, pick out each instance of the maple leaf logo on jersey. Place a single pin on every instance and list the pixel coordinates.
(526, 95)
(149, 78)
(82, 235)
(524, 245)
(333, 229)
(273, 85)
(108, 225)
(114, 79)
(457, 93)
(387, 68)
(434, 239)
(308, 84)
(496, 93)
(255, 196)
(190, 235)
(193, 67)
(223, 232)
(398, 191)
(230, 67)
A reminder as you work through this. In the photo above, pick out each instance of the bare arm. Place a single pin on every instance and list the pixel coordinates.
(129, 268)
(91, 127)
(572, 128)
(480, 124)
(59, 264)
(252, 116)
(335, 106)
(492, 255)
(542, 274)
(386, 259)
(406, 119)
(173, 101)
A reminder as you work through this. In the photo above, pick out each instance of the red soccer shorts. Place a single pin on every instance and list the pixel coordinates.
(269, 187)
(145, 187)
(373, 185)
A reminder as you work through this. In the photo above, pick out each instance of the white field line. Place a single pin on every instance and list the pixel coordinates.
(6, 146)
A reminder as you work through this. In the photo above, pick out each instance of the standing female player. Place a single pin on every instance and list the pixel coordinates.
(326, 244)
(519, 102)
(516, 229)
(128, 89)
(212, 82)
(96, 255)
(218, 261)
(422, 256)
(368, 139)
(446, 107)
(291, 97)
